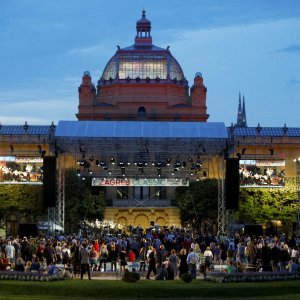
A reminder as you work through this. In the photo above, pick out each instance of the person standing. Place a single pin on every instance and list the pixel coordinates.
(10, 251)
(192, 260)
(208, 260)
(151, 263)
(183, 266)
(84, 261)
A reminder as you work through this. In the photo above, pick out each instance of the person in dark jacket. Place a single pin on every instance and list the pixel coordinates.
(275, 252)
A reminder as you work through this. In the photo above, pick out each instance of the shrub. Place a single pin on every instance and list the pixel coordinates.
(130, 276)
(186, 277)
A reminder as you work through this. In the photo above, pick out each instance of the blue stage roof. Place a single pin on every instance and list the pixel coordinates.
(140, 129)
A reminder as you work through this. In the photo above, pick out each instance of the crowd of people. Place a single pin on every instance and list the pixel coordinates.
(167, 253)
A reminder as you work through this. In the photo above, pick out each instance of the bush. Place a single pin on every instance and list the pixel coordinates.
(130, 276)
(186, 277)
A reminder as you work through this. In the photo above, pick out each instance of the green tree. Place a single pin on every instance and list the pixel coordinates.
(80, 204)
(261, 205)
(21, 199)
(198, 201)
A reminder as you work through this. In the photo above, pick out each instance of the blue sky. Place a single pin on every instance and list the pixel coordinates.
(247, 46)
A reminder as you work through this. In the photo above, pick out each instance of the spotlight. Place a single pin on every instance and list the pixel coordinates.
(90, 172)
(178, 164)
(78, 172)
(168, 161)
(199, 163)
(102, 163)
(112, 160)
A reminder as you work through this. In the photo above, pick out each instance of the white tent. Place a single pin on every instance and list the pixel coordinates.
(51, 226)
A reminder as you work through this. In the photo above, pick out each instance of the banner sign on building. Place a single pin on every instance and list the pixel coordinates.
(139, 182)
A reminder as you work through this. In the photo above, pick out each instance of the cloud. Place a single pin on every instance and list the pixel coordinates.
(37, 112)
(295, 48)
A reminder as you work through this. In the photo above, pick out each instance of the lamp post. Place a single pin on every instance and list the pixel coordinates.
(297, 162)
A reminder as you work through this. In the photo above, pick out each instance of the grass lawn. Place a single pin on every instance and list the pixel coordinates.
(117, 289)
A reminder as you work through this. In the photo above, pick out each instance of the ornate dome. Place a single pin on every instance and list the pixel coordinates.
(143, 60)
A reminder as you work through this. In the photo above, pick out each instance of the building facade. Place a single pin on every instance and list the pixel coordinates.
(142, 131)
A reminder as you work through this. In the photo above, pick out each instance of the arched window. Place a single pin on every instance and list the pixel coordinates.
(142, 111)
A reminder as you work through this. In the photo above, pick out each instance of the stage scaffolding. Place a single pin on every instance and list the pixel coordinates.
(141, 148)
(56, 215)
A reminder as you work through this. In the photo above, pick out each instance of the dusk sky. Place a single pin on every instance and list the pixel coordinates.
(252, 47)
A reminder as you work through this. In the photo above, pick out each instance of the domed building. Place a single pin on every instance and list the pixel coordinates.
(141, 133)
(142, 82)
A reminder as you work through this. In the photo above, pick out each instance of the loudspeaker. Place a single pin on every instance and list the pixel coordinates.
(232, 183)
(28, 230)
(49, 181)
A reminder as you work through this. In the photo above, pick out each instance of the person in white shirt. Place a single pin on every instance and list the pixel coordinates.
(10, 251)
(208, 259)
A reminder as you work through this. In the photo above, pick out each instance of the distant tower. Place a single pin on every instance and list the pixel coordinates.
(244, 113)
(241, 116)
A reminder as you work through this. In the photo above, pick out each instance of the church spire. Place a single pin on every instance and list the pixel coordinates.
(241, 116)
(244, 113)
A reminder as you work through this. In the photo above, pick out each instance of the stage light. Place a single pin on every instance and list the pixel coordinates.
(178, 164)
(78, 172)
(168, 161)
(102, 163)
(199, 163)
(112, 160)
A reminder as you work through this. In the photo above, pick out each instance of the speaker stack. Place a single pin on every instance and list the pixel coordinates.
(49, 181)
(232, 183)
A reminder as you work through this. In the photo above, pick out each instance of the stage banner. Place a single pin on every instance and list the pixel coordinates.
(139, 182)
